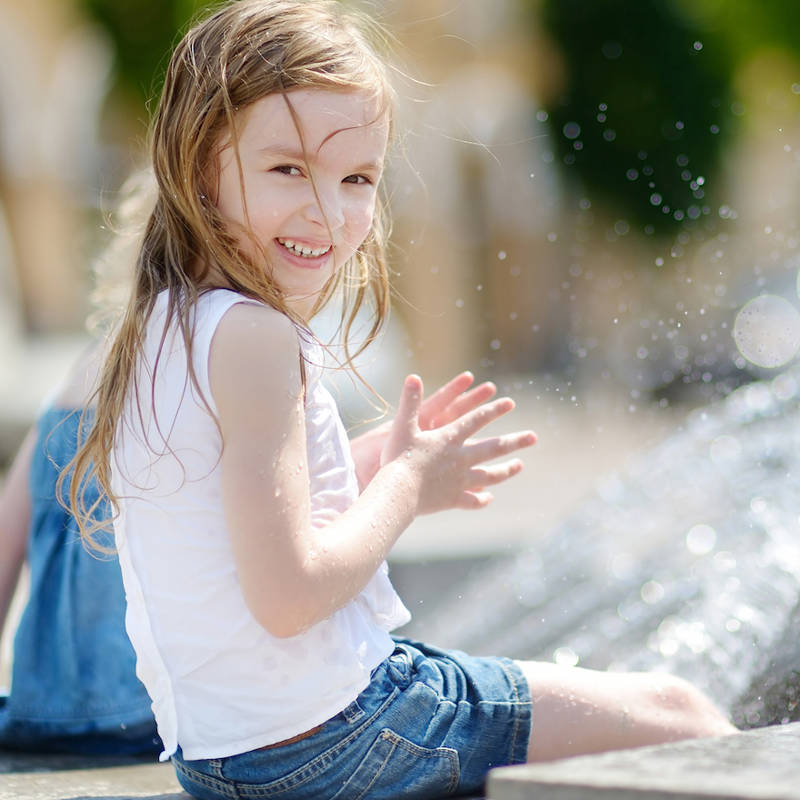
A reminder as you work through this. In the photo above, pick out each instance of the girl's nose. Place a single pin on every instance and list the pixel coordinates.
(325, 209)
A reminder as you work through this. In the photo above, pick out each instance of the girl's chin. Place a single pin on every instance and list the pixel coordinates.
(302, 302)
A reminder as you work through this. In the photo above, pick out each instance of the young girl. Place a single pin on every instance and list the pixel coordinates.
(252, 536)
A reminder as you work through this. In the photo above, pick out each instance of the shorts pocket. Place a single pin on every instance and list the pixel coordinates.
(395, 767)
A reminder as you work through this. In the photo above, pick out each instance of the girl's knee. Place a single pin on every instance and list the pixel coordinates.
(686, 710)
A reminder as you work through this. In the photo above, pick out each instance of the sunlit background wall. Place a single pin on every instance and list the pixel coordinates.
(590, 196)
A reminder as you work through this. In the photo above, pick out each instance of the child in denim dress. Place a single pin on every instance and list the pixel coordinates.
(252, 534)
(74, 687)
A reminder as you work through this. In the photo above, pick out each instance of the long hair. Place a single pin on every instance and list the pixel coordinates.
(242, 52)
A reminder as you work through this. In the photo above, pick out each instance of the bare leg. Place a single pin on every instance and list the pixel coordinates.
(578, 711)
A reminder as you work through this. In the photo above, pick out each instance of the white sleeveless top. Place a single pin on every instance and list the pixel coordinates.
(219, 682)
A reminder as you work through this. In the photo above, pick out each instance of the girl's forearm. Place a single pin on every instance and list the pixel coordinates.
(366, 452)
(338, 560)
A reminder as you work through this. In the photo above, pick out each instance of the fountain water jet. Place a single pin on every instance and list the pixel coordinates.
(688, 563)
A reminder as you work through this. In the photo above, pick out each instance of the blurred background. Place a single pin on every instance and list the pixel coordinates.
(595, 202)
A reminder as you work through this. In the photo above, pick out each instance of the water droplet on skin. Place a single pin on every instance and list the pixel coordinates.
(566, 657)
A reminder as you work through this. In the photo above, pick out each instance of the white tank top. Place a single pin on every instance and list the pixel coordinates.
(219, 682)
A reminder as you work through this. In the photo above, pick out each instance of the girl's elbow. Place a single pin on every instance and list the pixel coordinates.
(285, 608)
(281, 621)
(282, 629)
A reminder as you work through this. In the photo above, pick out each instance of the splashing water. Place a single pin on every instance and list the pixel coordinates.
(690, 563)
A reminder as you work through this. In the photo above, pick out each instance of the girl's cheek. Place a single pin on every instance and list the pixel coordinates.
(367, 217)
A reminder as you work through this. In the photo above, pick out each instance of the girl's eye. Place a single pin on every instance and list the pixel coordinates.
(288, 169)
(357, 179)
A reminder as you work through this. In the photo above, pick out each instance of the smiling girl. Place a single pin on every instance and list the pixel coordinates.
(252, 535)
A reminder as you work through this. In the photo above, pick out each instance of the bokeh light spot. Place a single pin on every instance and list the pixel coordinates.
(767, 331)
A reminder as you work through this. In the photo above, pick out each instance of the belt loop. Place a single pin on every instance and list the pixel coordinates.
(353, 712)
(215, 765)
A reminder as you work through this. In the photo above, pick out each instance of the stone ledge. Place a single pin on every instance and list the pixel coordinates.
(25, 776)
(762, 764)
(30, 777)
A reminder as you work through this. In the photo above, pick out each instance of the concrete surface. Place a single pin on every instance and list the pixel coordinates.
(26, 777)
(757, 765)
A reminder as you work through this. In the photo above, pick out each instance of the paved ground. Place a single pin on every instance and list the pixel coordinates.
(66, 778)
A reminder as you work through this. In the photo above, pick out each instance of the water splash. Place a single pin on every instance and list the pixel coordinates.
(689, 562)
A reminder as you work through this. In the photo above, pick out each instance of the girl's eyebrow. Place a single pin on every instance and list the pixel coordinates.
(283, 150)
(370, 166)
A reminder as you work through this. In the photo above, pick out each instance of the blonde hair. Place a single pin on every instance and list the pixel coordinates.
(242, 52)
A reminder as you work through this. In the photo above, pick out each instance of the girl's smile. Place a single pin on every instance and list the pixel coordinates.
(301, 197)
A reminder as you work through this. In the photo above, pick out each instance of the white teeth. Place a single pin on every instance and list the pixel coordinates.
(300, 250)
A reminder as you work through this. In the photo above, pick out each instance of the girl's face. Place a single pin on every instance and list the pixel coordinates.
(308, 203)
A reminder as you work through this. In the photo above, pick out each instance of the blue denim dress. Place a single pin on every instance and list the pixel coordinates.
(73, 687)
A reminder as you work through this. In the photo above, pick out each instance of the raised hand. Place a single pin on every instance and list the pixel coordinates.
(453, 400)
(449, 468)
(448, 403)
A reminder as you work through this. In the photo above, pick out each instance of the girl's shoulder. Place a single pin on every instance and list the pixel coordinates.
(252, 342)
(250, 318)
(232, 315)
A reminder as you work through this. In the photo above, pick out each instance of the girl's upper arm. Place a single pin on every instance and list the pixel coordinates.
(255, 378)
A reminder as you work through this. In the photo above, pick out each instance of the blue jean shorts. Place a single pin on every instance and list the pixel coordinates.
(431, 723)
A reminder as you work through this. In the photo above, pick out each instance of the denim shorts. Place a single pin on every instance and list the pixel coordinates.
(431, 723)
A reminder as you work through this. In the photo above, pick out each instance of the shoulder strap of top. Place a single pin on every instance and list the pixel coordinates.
(210, 309)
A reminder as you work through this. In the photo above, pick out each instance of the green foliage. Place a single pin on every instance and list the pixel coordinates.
(143, 32)
(645, 106)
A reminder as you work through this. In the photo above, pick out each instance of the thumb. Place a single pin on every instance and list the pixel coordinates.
(407, 416)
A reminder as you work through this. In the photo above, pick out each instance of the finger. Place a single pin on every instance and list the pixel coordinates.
(481, 477)
(472, 422)
(465, 403)
(474, 500)
(483, 450)
(407, 416)
(441, 398)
